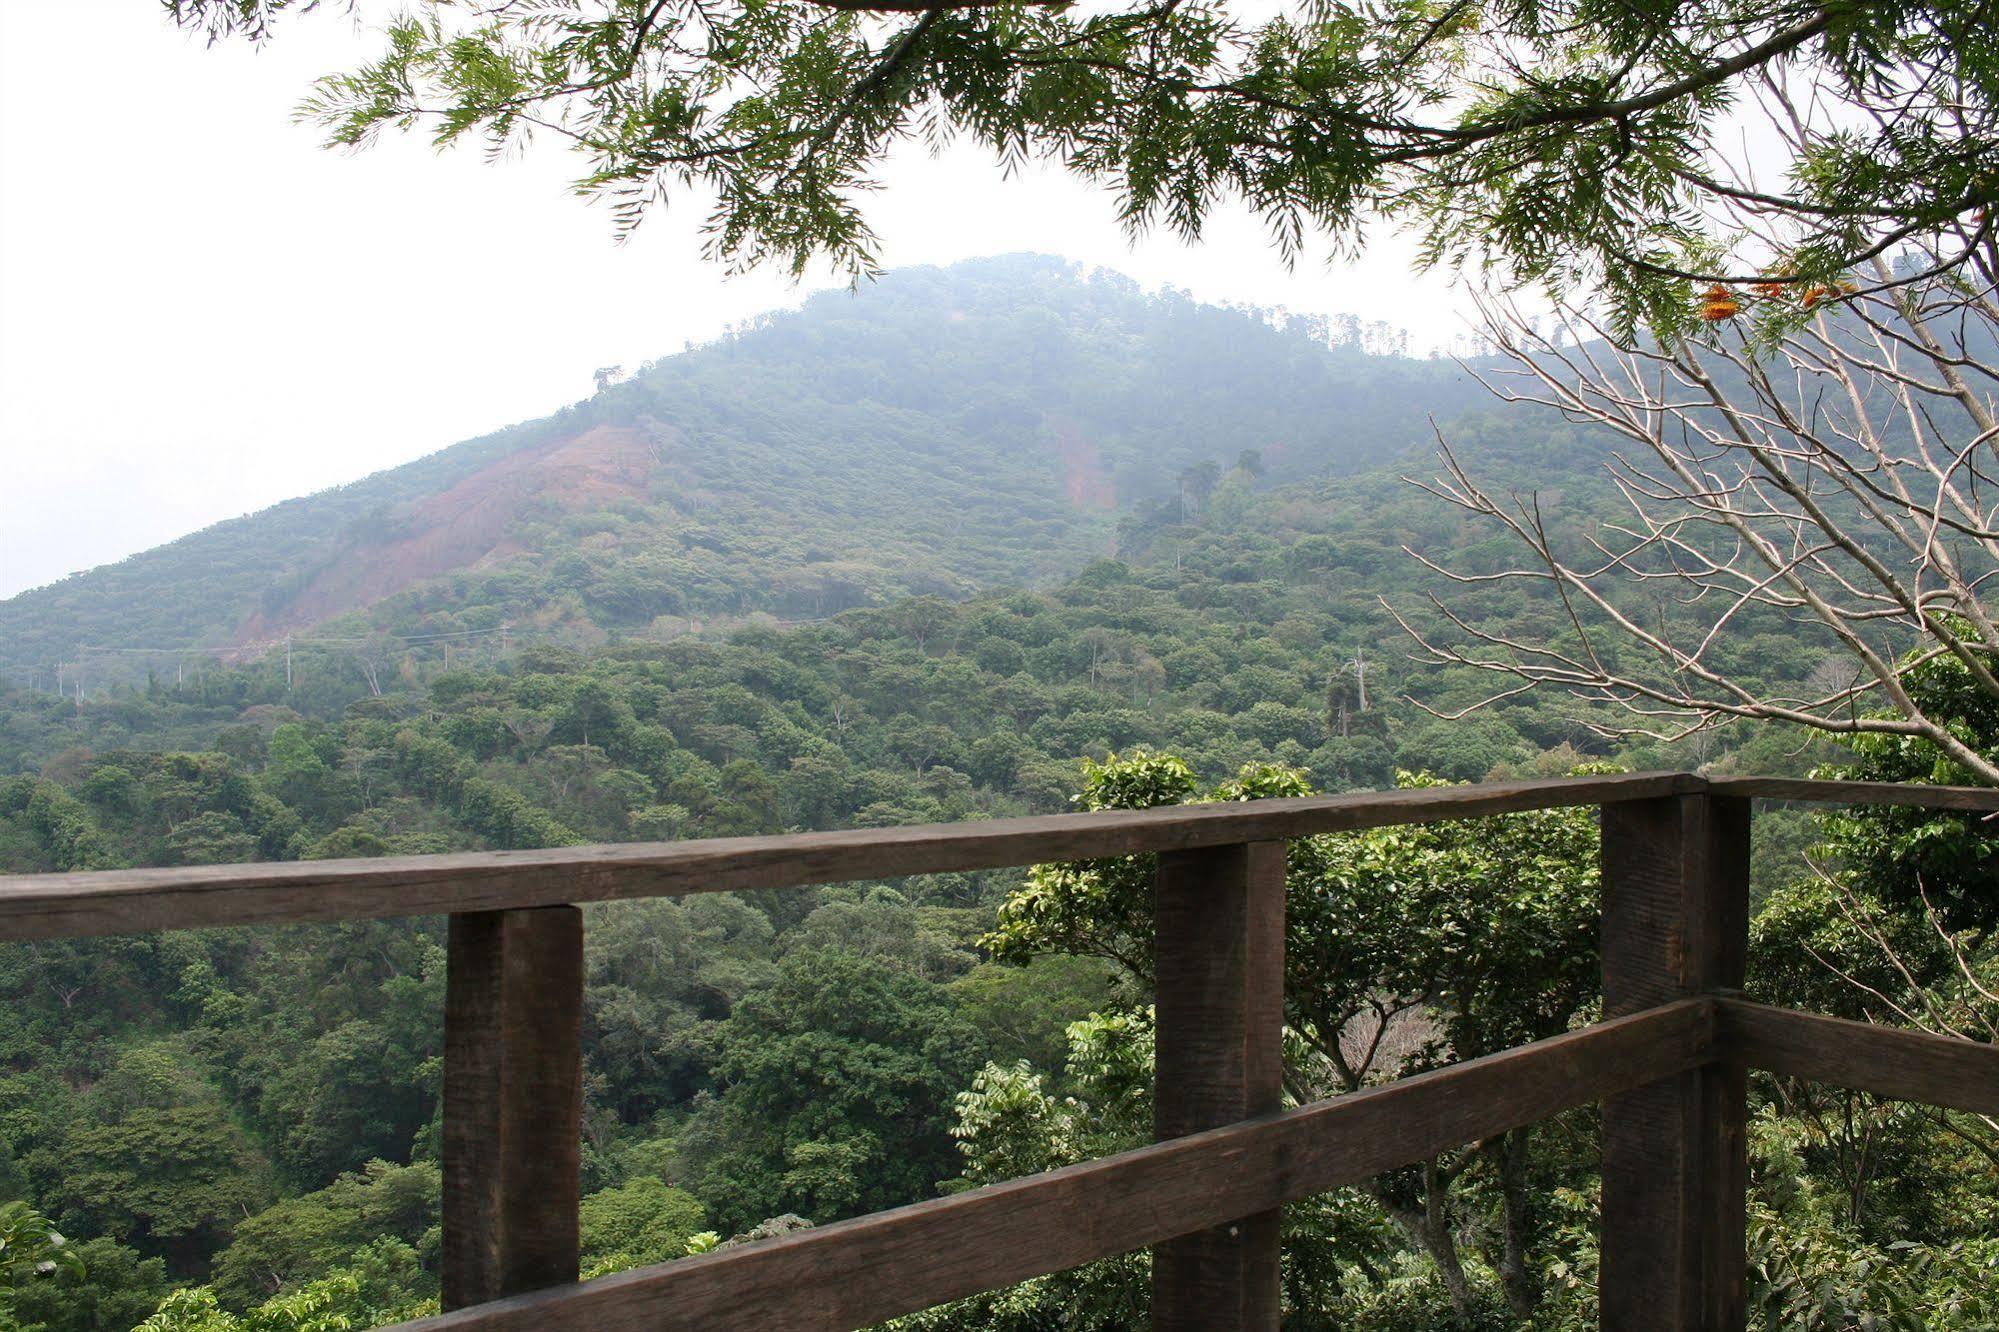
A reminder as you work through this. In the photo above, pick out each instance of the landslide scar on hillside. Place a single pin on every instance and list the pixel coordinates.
(470, 526)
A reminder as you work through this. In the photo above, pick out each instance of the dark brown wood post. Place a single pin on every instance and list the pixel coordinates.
(1675, 1163)
(513, 1102)
(1219, 1001)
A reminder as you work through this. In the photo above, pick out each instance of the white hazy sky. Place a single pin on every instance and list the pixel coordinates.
(202, 312)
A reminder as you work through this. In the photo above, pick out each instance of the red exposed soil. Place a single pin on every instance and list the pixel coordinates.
(469, 526)
(1088, 484)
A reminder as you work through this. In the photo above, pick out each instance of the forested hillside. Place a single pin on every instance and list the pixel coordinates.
(1177, 594)
(263, 1103)
(936, 432)
(1253, 634)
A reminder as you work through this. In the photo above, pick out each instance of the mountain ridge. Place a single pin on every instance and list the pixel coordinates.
(937, 432)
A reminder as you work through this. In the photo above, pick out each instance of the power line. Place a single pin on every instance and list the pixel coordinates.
(387, 640)
(66, 667)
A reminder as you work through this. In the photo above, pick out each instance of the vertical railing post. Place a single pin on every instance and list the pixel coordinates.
(1218, 997)
(1675, 1165)
(513, 1102)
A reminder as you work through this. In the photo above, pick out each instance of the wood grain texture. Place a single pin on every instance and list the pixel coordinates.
(1974, 798)
(1887, 1061)
(854, 1273)
(1675, 1154)
(513, 1102)
(1218, 999)
(44, 906)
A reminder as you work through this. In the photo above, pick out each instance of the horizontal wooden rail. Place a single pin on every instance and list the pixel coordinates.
(1887, 1061)
(44, 906)
(1975, 799)
(853, 1273)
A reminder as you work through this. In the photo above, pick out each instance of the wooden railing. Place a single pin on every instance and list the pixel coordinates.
(1668, 1062)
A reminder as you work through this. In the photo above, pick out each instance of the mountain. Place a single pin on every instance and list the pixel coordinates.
(938, 431)
(994, 430)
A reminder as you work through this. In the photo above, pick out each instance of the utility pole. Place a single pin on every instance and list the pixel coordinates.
(288, 659)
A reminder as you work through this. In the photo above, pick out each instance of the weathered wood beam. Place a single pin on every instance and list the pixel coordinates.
(1218, 1004)
(1970, 798)
(1887, 1061)
(1675, 1153)
(513, 1102)
(45, 906)
(854, 1273)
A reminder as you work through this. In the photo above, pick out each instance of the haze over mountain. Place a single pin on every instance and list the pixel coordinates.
(936, 432)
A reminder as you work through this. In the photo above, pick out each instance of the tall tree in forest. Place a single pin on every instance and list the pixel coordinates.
(1821, 459)
(1405, 948)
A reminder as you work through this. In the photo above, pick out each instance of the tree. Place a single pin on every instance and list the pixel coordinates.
(643, 1221)
(1863, 1204)
(375, 652)
(112, 1288)
(162, 1165)
(1818, 465)
(212, 837)
(1025, 1011)
(1802, 465)
(923, 618)
(1888, 918)
(836, 1085)
(663, 975)
(1009, 1124)
(332, 1044)
(171, 1180)
(378, 1285)
(301, 1240)
(1566, 136)
(1197, 482)
(1923, 862)
(1016, 1121)
(1405, 948)
(31, 1249)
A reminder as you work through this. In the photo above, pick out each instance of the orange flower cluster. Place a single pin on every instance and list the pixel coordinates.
(1718, 303)
(1815, 296)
